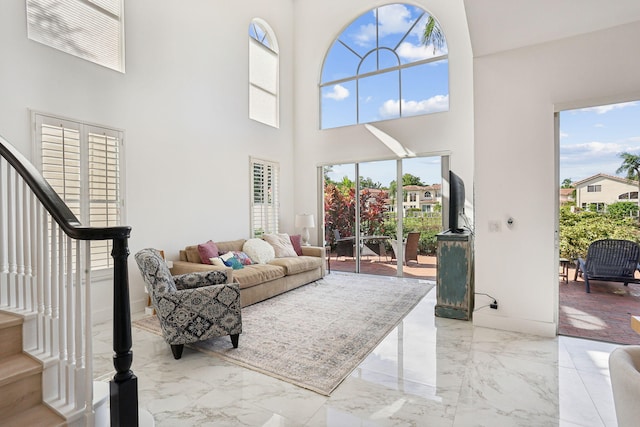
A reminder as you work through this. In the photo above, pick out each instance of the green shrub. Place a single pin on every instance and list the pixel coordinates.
(578, 230)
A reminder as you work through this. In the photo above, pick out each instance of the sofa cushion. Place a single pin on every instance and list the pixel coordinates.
(256, 274)
(192, 254)
(297, 264)
(242, 257)
(296, 242)
(281, 244)
(259, 251)
(207, 250)
(231, 245)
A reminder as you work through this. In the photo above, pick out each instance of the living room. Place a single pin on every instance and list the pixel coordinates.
(182, 104)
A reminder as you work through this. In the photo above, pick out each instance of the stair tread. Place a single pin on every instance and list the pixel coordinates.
(16, 367)
(36, 416)
(8, 320)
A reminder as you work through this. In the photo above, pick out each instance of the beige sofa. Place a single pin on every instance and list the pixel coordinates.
(260, 281)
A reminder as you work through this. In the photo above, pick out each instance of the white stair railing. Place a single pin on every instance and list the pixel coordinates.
(45, 277)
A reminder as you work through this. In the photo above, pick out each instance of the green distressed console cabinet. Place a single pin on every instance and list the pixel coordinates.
(454, 279)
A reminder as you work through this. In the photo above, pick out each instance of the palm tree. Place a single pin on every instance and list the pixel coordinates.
(631, 166)
(433, 35)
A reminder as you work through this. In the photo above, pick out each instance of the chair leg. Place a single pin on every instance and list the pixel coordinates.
(586, 283)
(176, 349)
(234, 340)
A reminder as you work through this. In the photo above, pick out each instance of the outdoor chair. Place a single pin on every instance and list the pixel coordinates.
(344, 246)
(609, 260)
(410, 245)
(191, 307)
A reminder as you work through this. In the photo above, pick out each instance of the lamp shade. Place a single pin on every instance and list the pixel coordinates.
(305, 220)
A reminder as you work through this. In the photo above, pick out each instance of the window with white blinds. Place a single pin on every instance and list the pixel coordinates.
(264, 197)
(89, 29)
(263, 74)
(83, 165)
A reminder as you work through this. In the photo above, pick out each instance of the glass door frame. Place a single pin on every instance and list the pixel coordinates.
(399, 207)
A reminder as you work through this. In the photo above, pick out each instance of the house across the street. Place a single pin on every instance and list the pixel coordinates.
(602, 190)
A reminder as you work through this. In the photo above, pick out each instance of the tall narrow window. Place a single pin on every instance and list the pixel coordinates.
(89, 29)
(265, 207)
(263, 74)
(83, 165)
(388, 63)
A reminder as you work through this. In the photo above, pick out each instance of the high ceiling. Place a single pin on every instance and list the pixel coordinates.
(498, 25)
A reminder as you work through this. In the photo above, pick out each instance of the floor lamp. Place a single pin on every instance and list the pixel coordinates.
(305, 221)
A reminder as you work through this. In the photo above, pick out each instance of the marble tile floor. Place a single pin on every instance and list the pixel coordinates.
(429, 371)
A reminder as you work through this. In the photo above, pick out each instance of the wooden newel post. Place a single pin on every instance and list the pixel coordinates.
(124, 385)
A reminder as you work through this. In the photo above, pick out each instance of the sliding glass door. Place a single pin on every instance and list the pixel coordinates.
(375, 226)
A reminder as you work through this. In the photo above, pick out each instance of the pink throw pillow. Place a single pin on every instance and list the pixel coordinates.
(296, 242)
(207, 250)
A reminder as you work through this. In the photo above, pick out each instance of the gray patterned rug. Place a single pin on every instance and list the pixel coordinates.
(315, 335)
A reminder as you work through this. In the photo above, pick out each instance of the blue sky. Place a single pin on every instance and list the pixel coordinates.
(424, 87)
(591, 139)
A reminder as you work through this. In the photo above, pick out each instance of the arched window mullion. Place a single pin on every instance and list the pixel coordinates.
(409, 32)
(395, 29)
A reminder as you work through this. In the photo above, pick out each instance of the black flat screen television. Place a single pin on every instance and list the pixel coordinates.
(456, 203)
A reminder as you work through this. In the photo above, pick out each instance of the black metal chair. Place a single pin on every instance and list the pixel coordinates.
(609, 260)
(344, 246)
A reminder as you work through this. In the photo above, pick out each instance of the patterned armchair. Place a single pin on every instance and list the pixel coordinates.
(191, 307)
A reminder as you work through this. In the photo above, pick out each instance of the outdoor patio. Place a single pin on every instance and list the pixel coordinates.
(602, 315)
(425, 268)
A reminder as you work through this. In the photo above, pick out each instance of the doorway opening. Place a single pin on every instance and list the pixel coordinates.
(369, 219)
(598, 199)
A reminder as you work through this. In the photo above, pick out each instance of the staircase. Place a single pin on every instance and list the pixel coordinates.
(21, 381)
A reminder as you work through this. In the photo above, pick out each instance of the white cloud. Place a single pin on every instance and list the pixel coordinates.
(602, 109)
(564, 134)
(598, 125)
(338, 93)
(394, 18)
(593, 149)
(412, 52)
(366, 34)
(436, 103)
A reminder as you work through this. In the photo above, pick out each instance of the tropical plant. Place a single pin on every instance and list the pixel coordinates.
(433, 35)
(631, 167)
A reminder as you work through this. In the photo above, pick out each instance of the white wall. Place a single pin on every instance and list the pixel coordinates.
(183, 106)
(317, 24)
(516, 94)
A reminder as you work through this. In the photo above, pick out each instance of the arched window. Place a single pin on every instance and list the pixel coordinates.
(382, 67)
(263, 74)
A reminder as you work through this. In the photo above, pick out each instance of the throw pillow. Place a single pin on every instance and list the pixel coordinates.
(259, 251)
(233, 263)
(242, 257)
(217, 262)
(296, 242)
(281, 244)
(207, 251)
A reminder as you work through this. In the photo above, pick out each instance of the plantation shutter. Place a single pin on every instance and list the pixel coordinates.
(82, 164)
(104, 190)
(89, 29)
(264, 197)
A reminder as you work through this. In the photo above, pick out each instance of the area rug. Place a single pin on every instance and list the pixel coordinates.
(315, 335)
(602, 315)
